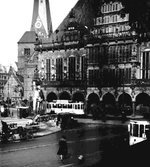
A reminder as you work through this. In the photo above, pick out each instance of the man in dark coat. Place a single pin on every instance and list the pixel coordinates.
(63, 148)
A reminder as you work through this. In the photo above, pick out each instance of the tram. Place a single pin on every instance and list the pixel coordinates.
(138, 130)
(65, 106)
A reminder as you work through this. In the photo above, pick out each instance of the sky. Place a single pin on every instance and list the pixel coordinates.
(16, 18)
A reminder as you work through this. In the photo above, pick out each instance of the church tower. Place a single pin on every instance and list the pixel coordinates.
(41, 19)
(41, 27)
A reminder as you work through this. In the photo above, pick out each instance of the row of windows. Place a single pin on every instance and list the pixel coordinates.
(3, 77)
(111, 54)
(112, 29)
(73, 69)
(116, 76)
(111, 7)
(70, 106)
(71, 36)
(94, 54)
(93, 77)
(119, 53)
(111, 19)
(2, 83)
(109, 77)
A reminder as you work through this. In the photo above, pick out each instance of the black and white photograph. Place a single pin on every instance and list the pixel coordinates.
(74, 83)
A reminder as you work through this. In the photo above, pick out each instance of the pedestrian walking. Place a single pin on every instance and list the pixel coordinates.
(63, 148)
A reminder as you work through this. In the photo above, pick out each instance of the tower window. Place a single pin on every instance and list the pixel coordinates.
(26, 51)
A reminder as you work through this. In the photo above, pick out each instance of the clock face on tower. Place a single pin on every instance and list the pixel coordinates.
(38, 24)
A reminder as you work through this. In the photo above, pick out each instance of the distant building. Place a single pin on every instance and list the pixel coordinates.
(3, 79)
(13, 89)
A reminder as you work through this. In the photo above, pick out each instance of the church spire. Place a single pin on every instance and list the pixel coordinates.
(41, 19)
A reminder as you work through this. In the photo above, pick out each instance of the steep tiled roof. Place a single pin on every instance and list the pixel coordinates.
(28, 37)
(84, 12)
(18, 77)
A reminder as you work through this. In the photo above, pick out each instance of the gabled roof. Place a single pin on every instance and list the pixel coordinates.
(28, 37)
(83, 11)
(17, 77)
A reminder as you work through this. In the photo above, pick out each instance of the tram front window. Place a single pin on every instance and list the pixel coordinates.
(135, 130)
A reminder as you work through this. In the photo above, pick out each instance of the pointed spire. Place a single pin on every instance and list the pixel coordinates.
(41, 19)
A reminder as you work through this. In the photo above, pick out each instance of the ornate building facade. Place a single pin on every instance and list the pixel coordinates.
(119, 55)
(63, 66)
(100, 55)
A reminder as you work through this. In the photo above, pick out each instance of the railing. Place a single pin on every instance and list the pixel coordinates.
(64, 83)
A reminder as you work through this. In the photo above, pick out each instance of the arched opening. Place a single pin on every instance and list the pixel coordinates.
(143, 104)
(125, 103)
(93, 103)
(109, 104)
(51, 96)
(65, 96)
(78, 96)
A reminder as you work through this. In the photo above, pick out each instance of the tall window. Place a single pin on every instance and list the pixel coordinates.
(48, 69)
(110, 58)
(90, 55)
(72, 69)
(77, 68)
(84, 68)
(53, 69)
(145, 68)
(59, 66)
(128, 50)
(93, 77)
(96, 54)
(65, 69)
